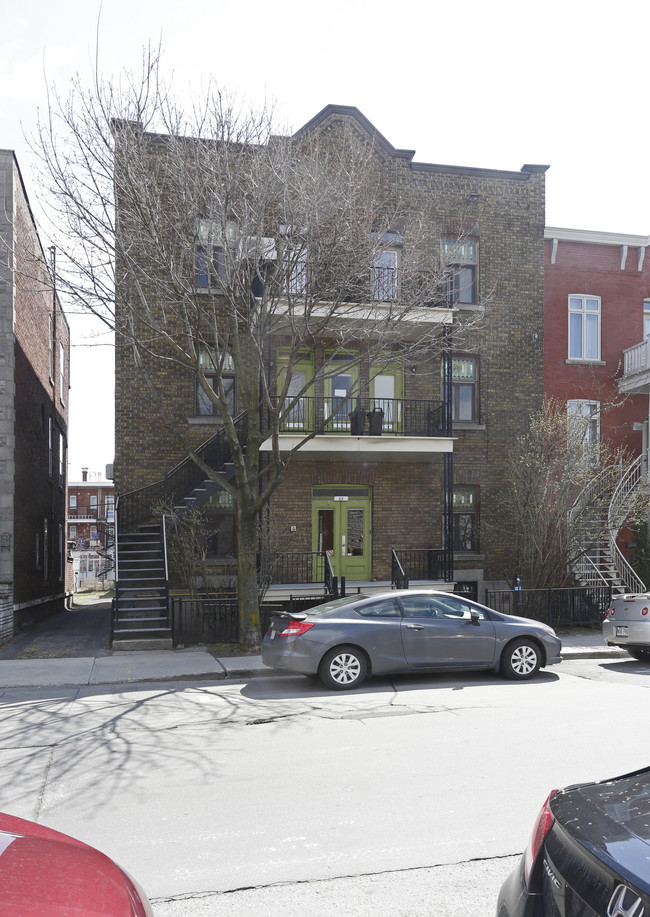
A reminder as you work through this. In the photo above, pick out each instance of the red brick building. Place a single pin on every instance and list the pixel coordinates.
(34, 382)
(596, 327)
(91, 528)
(596, 304)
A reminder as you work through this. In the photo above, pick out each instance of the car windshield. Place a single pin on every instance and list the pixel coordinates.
(335, 603)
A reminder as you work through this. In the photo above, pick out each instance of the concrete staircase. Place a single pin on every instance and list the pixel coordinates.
(141, 619)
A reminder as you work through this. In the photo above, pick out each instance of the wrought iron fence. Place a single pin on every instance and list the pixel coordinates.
(571, 606)
(299, 567)
(422, 564)
(212, 618)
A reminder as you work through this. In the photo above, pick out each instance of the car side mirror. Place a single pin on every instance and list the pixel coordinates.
(476, 618)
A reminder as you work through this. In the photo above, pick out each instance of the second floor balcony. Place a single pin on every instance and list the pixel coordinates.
(636, 369)
(362, 427)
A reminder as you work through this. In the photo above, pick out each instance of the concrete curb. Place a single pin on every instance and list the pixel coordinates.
(124, 668)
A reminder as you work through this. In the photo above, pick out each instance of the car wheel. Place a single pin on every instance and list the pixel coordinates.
(343, 667)
(639, 652)
(521, 659)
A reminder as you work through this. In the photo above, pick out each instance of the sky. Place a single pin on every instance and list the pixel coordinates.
(473, 83)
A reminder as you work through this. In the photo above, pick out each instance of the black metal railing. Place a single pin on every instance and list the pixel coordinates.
(364, 416)
(211, 618)
(571, 606)
(399, 579)
(138, 506)
(423, 564)
(332, 581)
(299, 567)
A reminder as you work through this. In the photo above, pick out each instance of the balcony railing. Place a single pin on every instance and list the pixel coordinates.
(637, 358)
(359, 416)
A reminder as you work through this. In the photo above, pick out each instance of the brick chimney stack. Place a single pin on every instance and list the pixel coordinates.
(84, 474)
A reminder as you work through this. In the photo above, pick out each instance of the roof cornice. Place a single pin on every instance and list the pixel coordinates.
(594, 237)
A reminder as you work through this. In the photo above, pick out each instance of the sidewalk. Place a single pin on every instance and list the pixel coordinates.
(113, 668)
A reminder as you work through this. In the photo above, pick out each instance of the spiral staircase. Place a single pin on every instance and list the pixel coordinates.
(600, 560)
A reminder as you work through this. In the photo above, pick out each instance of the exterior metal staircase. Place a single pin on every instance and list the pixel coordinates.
(600, 560)
(141, 618)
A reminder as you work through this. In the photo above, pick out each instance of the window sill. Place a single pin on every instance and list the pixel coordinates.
(574, 362)
(467, 425)
(208, 420)
(469, 307)
(468, 555)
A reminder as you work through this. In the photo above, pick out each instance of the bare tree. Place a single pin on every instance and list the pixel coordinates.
(213, 244)
(559, 482)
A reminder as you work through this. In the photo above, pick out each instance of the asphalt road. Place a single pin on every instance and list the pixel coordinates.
(274, 796)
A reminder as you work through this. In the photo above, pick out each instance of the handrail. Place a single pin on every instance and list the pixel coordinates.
(330, 581)
(628, 483)
(399, 578)
(184, 476)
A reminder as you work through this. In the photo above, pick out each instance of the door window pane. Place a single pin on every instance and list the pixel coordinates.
(355, 532)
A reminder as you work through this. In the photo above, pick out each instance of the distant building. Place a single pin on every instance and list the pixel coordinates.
(34, 382)
(91, 528)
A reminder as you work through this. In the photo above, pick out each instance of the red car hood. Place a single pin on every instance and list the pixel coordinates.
(46, 874)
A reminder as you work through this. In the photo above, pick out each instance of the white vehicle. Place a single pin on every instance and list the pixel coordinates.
(628, 624)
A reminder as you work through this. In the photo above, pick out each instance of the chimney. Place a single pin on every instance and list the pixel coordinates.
(84, 474)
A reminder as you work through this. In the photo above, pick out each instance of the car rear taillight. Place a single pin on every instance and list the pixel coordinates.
(610, 612)
(541, 828)
(295, 629)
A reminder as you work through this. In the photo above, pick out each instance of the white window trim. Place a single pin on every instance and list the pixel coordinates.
(584, 414)
(584, 313)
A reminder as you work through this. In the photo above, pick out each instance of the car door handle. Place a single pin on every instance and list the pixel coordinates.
(416, 626)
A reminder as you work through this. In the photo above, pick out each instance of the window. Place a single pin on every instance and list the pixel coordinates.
(464, 519)
(46, 559)
(294, 267)
(340, 385)
(93, 501)
(62, 373)
(464, 382)
(210, 266)
(419, 606)
(646, 318)
(73, 501)
(61, 555)
(93, 533)
(384, 275)
(384, 608)
(386, 394)
(203, 406)
(51, 347)
(459, 259)
(584, 327)
(61, 458)
(454, 608)
(583, 423)
(50, 462)
(73, 532)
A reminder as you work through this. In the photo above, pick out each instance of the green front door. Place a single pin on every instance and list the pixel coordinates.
(341, 527)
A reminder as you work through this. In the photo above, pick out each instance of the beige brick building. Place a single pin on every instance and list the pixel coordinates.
(390, 477)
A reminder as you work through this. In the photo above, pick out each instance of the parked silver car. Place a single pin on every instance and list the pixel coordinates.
(408, 630)
(628, 624)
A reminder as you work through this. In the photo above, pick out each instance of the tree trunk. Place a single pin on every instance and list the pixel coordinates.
(249, 623)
